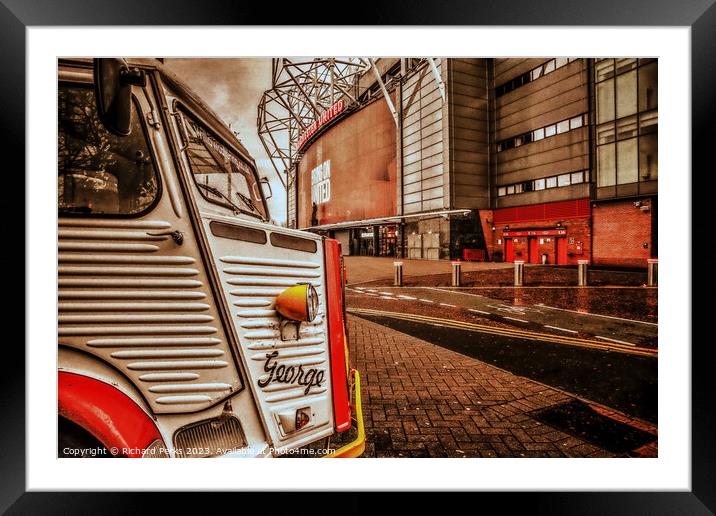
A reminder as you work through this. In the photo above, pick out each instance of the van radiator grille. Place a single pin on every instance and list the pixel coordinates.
(209, 438)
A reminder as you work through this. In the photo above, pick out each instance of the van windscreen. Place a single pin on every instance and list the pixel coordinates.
(222, 176)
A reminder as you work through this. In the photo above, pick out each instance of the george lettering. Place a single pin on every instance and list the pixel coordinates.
(279, 373)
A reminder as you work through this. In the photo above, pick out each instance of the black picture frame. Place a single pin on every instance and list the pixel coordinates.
(699, 15)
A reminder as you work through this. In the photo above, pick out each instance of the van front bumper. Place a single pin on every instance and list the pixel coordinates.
(357, 446)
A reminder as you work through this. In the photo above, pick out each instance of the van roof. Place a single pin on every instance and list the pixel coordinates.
(185, 94)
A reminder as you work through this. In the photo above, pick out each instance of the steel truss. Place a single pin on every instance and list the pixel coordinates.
(300, 91)
(303, 89)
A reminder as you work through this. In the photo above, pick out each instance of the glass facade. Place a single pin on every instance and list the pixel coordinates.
(626, 92)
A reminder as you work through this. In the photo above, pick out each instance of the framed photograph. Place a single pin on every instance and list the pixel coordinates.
(431, 248)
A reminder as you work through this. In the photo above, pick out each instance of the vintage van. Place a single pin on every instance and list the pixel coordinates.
(189, 325)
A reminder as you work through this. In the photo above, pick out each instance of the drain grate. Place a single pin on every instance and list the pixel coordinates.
(580, 420)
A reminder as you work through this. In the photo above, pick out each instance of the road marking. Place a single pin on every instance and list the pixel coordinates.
(385, 293)
(455, 292)
(427, 300)
(513, 319)
(403, 296)
(615, 340)
(448, 304)
(598, 315)
(630, 349)
(478, 311)
(560, 329)
(387, 297)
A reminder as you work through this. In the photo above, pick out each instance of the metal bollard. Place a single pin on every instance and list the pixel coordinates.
(652, 272)
(398, 278)
(456, 274)
(582, 272)
(519, 273)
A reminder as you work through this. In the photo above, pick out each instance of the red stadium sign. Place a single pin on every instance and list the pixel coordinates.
(328, 115)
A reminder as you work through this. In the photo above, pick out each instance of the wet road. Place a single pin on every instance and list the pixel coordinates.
(622, 381)
(567, 321)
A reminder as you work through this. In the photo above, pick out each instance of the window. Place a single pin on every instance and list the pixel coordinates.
(606, 166)
(563, 180)
(551, 182)
(221, 175)
(604, 69)
(501, 191)
(648, 87)
(541, 133)
(626, 128)
(626, 94)
(627, 122)
(533, 74)
(539, 184)
(100, 173)
(648, 158)
(605, 102)
(627, 162)
(510, 189)
(577, 177)
(575, 122)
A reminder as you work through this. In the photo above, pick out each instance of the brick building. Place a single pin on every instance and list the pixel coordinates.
(546, 160)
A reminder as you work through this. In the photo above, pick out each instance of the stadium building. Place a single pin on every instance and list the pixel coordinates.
(546, 160)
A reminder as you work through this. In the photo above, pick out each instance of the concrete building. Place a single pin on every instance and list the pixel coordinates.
(546, 160)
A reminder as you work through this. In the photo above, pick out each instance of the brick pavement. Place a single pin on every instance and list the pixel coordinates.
(421, 400)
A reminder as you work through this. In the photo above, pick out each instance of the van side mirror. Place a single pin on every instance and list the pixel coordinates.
(113, 89)
(266, 187)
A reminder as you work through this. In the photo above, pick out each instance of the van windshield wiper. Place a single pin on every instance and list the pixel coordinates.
(247, 202)
(219, 193)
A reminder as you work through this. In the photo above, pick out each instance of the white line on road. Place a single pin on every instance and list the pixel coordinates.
(478, 311)
(514, 319)
(597, 315)
(560, 329)
(385, 293)
(455, 292)
(387, 297)
(448, 304)
(402, 296)
(615, 340)
(427, 300)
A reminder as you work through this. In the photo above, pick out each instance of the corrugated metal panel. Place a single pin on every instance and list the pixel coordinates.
(250, 282)
(468, 99)
(422, 142)
(552, 210)
(143, 304)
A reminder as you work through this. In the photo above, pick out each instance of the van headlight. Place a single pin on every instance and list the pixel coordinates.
(298, 303)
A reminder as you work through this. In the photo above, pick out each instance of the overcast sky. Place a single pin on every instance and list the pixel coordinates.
(233, 88)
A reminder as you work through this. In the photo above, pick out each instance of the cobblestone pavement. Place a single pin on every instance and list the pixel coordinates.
(421, 400)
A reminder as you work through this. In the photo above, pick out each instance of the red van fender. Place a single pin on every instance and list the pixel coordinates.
(107, 413)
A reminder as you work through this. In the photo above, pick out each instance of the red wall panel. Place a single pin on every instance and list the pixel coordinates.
(362, 151)
(552, 210)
